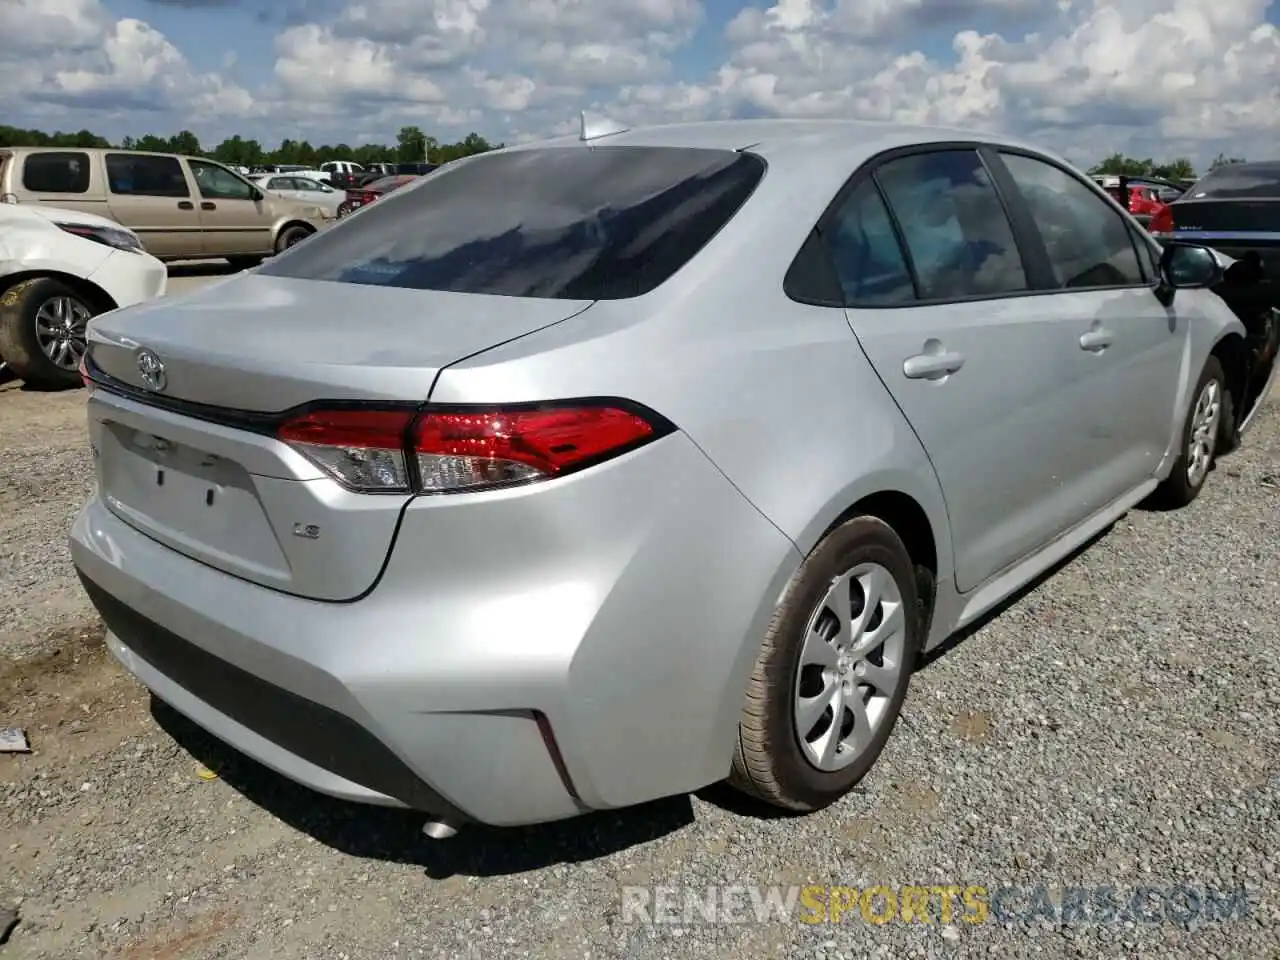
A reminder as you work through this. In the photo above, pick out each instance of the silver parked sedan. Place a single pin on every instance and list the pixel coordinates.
(597, 470)
(294, 187)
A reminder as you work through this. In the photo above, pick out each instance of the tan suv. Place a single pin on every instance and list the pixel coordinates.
(182, 208)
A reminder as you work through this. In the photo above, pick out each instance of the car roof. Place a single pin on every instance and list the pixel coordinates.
(778, 139)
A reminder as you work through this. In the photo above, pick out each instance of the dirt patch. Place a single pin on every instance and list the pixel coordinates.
(972, 726)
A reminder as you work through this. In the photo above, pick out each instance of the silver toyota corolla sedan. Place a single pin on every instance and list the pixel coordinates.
(601, 469)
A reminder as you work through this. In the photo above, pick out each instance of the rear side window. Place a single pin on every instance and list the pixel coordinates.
(56, 172)
(955, 228)
(865, 253)
(598, 223)
(1088, 241)
(139, 175)
(1251, 181)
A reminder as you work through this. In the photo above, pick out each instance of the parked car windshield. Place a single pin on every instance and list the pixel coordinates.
(604, 223)
(1239, 182)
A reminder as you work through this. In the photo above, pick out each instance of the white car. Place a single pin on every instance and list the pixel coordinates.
(59, 268)
(293, 186)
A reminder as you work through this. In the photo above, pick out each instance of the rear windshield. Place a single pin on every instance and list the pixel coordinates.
(601, 223)
(1250, 181)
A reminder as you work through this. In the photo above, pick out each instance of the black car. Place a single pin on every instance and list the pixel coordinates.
(1236, 210)
(417, 169)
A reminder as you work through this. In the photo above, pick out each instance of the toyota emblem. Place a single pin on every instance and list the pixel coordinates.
(151, 368)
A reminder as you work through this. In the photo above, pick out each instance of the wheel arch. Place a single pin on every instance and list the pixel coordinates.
(1233, 354)
(98, 298)
(910, 521)
(285, 224)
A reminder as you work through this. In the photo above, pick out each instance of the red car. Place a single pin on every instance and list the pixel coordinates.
(1141, 199)
(363, 196)
(1144, 203)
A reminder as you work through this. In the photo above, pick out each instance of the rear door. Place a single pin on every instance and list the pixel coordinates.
(150, 194)
(234, 222)
(1129, 346)
(937, 294)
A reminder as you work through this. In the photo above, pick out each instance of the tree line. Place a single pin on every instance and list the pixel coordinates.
(412, 145)
(1179, 168)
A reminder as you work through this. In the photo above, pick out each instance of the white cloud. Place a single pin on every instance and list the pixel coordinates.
(1154, 77)
(69, 58)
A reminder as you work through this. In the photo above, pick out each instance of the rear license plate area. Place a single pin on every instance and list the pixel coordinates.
(199, 503)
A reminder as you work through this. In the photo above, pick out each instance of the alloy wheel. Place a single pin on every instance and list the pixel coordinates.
(1204, 432)
(61, 327)
(851, 663)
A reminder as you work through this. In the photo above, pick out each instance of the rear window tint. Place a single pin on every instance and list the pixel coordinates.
(1254, 181)
(600, 223)
(61, 172)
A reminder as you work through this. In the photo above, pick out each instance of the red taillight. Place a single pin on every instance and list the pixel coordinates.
(84, 371)
(1161, 221)
(451, 451)
(466, 451)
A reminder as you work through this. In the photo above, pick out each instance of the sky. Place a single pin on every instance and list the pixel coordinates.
(1160, 78)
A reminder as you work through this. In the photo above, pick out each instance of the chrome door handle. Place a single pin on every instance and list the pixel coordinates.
(932, 366)
(1095, 341)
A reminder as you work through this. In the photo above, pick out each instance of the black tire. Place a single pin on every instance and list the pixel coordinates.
(5, 373)
(345, 209)
(291, 235)
(1179, 488)
(769, 762)
(27, 361)
(244, 263)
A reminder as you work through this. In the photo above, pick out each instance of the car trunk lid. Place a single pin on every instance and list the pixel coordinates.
(191, 458)
(1232, 226)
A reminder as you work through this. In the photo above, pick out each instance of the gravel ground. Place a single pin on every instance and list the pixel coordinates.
(1119, 725)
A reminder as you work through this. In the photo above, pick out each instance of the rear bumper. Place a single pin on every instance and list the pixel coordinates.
(621, 609)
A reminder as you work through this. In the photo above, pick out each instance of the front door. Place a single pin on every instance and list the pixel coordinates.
(149, 194)
(235, 224)
(1130, 347)
(977, 368)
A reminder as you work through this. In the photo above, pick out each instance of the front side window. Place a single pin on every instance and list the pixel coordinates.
(1088, 242)
(599, 223)
(865, 253)
(280, 183)
(955, 228)
(218, 183)
(56, 172)
(144, 175)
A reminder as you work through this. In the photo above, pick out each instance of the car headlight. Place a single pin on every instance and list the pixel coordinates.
(117, 237)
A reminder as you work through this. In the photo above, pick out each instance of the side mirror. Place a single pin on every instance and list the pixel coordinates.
(257, 194)
(1189, 266)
